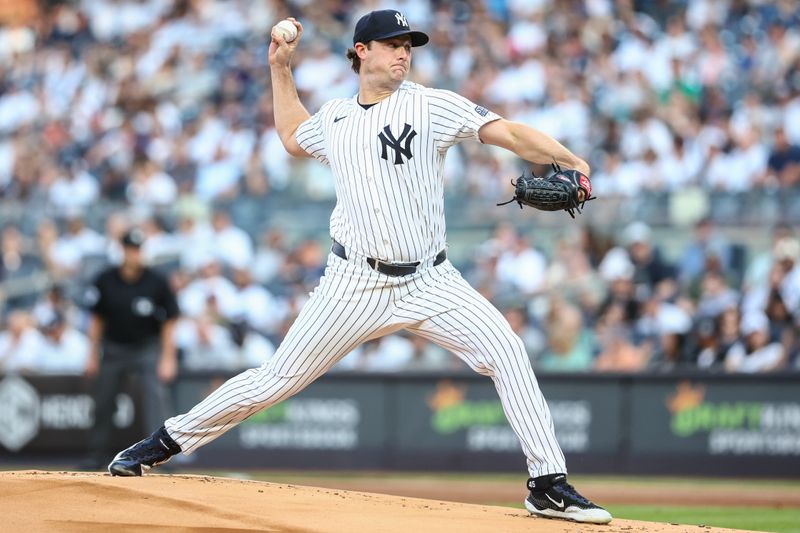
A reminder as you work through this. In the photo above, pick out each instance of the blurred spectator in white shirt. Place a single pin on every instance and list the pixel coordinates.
(73, 191)
(715, 295)
(644, 133)
(257, 306)
(726, 172)
(715, 64)
(195, 241)
(759, 267)
(109, 20)
(64, 254)
(218, 178)
(783, 277)
(752, 115)
(210, 134)
(86, 240)
(64, 350)
(269, 256)
(752, 155)
(117, 225)
(211, 293)
(56, 303)
(16, 40)
(788, 274)
(755, 353)
(791, 119)
(240, 141)
(17, 109)
(159, 246)
(274, 158)
(678, 41)
(231, 245)
(151, 187)
(208, 345)
(204, 343)
(699, 13)
(682, 166)
(319, 72)
(20, 344)
(391, 353)
(8, 157)
(521, 81)
(522, 266)
(621, 176)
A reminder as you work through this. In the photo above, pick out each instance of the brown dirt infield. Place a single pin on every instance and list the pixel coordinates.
(34, 501)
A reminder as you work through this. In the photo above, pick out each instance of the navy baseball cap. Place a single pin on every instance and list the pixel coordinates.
(385, 24)
(133, 238)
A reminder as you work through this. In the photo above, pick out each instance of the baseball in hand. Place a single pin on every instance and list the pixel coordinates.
(285, 29)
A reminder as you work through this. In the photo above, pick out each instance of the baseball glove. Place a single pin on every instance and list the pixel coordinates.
(558, 191)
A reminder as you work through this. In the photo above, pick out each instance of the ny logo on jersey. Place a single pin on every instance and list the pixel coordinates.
(401, 20)
(388, 141)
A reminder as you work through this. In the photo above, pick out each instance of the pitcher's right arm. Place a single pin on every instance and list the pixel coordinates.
(287, 108)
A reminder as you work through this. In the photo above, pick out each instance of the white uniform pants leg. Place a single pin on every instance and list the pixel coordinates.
(455, 316)
(349, 307)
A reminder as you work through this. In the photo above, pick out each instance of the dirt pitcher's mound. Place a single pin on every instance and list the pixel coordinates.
(35, 501)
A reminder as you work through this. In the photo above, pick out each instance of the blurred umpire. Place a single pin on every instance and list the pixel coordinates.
(133, 313)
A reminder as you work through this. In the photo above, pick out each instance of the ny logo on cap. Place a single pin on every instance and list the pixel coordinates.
(401, 20)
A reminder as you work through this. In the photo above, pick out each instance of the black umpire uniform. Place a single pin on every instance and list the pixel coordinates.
(133, 312)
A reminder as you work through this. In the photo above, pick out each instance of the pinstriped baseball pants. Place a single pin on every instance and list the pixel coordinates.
(353, 304)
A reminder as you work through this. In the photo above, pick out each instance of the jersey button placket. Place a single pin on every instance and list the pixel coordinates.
(384, 231)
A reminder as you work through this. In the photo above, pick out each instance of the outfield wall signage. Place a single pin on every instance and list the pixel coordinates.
(55, 414)
(629, 423)
(325, 417)
(468, 417)
(716, 419)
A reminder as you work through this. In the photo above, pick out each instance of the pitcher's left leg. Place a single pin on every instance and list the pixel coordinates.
(455, 316)
(449, 312)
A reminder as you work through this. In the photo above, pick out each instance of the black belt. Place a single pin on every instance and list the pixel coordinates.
(390, 269)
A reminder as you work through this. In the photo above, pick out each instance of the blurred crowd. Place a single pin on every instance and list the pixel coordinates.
(592, 301)
(156, 101)
(158, 113)
(623, 305)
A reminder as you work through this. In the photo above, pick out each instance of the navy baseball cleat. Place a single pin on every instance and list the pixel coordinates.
(552, 497)
(145, 454)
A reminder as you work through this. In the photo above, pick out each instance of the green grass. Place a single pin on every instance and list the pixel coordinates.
(751, 518)
(778, 520)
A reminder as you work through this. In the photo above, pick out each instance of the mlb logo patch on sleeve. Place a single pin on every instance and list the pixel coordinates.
(481, 110)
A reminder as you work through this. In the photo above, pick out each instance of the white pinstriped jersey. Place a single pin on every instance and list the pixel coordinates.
(388, 163)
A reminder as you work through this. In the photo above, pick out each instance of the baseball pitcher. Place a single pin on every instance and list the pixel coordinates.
(388, 268)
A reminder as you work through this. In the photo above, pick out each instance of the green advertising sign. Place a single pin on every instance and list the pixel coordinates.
(693, 417)
(468, 416)
(326, 416)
